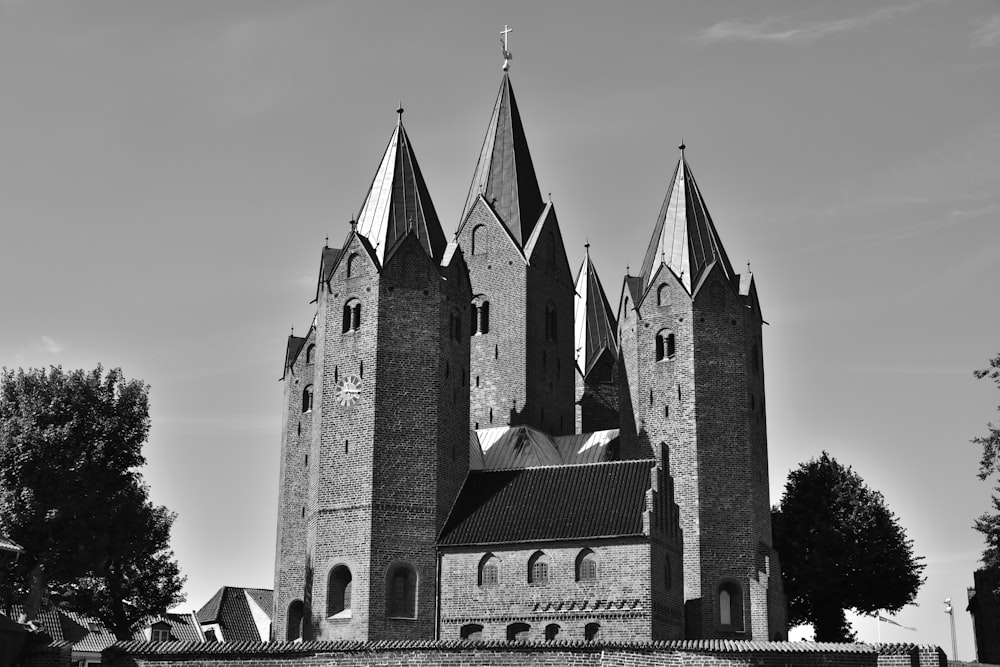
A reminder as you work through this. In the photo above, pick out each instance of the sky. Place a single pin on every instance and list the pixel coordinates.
(169, 172)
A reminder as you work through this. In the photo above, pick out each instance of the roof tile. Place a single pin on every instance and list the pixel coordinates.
(550, 503)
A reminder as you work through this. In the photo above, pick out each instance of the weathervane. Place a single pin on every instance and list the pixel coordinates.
(506, 54)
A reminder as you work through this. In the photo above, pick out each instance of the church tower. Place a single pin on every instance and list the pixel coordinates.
(522, 318)
(379, 446)
(690, 336)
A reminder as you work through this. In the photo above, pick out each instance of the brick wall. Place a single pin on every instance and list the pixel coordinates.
(732, 454)
(293, 487)
(517, 375)
(619, 599)
(383, 473)
(339, 513)
(601, 654)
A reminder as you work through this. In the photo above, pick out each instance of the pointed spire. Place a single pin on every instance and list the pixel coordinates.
(684, 238)
(398, 201)
(505, 175)
(595, 328)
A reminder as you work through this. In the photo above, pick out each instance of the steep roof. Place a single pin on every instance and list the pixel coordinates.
(83, 632)
(684, 238)
(295, 344)
(550, 503)
(505, 175)
(506, 447)
(7, 544)
(230, 608)
(398, 201)
(183, 627)
(594, 322)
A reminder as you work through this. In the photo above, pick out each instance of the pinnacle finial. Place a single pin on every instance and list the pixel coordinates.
(586, 246)
(293, 332)
(353, 223)
(682, 146)
(748, 267)
(506, 52)
(399, 110)
(326, 242)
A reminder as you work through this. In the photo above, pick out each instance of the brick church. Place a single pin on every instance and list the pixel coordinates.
(477, 445)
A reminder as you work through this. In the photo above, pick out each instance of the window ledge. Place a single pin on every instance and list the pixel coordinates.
(402, 618)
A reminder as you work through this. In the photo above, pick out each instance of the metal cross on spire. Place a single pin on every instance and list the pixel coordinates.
(506, 53)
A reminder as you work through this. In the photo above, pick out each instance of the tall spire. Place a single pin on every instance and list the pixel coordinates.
(504, 175)
(398, 201)
(684, 238)
(593, 320)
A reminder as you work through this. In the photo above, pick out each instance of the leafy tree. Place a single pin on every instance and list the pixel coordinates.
(70, 443)
(840, 548)
(989, 524)
(139, 578)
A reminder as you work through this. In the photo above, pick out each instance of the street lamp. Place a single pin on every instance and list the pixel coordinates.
(948, 609)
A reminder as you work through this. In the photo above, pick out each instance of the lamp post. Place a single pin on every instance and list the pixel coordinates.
(948, 609)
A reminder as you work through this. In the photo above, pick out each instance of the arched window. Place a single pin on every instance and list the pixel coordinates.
(480, 240)
(551, 631)
(731, 606)
(592, 632)
(352, 264)
(661, 295)
(489, 571)
(518, 632)
(551, 323)
(456, 326)
(310, 351)
(586, 566)
(538, 569)
(480, 317)
(401, 591)
(293, 625)
(550, 250)
(471, 632)
(307, 398)
(338, 592)
(352, 315)
(665, 345)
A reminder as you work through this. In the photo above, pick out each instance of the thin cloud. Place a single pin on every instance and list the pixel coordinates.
(987, 34)
(46, 344)
(784, 30)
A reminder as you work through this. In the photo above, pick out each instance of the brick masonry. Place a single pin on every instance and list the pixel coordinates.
(707, 403)
(526, 654)
(519, 375)
(384, 472)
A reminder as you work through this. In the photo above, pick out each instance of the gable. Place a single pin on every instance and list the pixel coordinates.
(482, 214)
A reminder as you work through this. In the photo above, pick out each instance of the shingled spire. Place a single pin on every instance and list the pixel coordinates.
(505, 176)
(398, 201)
(593, 320)
(685, 238)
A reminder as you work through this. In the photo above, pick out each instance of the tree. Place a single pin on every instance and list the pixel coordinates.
(989, 524)
(841, 548)
(139, 578)
(70, 444)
